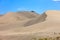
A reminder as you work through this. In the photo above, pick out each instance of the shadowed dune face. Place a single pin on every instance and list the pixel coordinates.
(36, 20)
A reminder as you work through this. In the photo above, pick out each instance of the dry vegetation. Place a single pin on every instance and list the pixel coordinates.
(47, 38)
(50, 38)
(56, 36)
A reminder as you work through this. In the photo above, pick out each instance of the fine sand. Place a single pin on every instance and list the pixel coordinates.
(28, 25)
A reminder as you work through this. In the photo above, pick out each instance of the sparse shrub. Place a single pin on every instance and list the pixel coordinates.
(40, 39)
(34, 39)
(57, 38)
(45, 38)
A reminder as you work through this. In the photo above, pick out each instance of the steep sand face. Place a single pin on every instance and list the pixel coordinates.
(38, 25)
(38, 19)
(53, 21)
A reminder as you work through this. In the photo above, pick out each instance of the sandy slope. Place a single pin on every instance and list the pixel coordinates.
(32, 23)
(18, 16)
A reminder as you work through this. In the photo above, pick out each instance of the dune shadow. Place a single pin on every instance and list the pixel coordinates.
(39, 19)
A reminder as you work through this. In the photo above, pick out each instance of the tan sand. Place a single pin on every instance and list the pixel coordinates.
(23, 25)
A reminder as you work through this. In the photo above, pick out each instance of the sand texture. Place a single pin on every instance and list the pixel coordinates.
(30, 25)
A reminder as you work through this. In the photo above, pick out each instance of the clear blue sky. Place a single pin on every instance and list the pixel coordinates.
(37, 5)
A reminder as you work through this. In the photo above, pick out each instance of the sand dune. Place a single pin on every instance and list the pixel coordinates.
(18, 16)
(23, 25)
